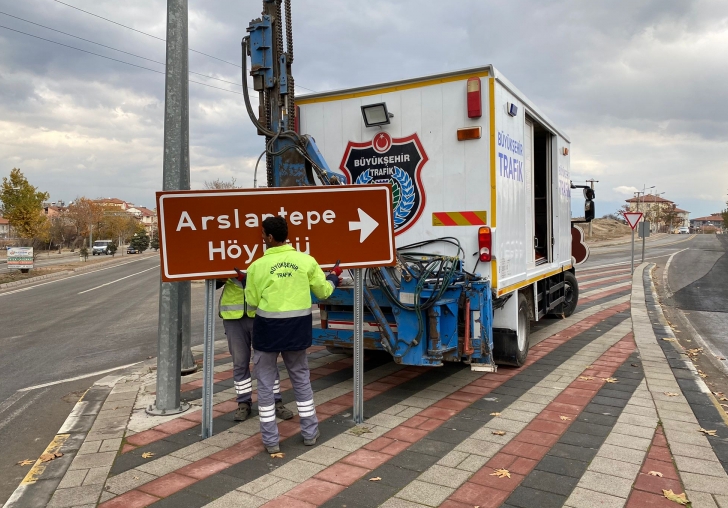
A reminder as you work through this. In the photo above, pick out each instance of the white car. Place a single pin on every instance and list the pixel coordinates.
(684, 230)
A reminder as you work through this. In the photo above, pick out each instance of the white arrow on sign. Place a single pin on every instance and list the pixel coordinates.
(365, 225)
(632, 218)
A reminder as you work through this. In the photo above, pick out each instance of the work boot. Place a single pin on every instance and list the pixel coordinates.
(242, 413)
(273, 449)
(312, 441)
(282, 411)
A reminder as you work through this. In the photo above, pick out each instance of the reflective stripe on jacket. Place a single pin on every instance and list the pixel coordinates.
(232, 301)
(279, 287)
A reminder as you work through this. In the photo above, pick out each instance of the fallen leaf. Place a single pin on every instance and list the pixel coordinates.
(678, 498)
(610, 380)
(50, 456)
(635, 364)
(586, 378)
(669, 340)
(589, 367)
(501, 473)
(724, 398)
(499, 433)
(278, 455)
(702, 374)
(358, 431)
(375, 479)
(670, 394)
(26, 462)
(147, 455)
(494, 414)
(655, 473)
(720, 357)
(564, 418)
(707, 432)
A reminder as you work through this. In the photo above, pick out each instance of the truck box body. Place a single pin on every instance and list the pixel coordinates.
(513, 177)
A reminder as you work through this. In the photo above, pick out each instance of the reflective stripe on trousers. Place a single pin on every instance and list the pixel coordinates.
(265, 368)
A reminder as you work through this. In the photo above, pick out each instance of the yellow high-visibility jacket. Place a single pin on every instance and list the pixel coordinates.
(278, 288)
(232, 301)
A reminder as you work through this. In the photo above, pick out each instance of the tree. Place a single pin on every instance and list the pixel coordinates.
(154, 242)
(23, 206)
(112, 249)
(724, 213)
(670, 217)
(84, 214)
(140, 240)
(220, 184)
(129, 227)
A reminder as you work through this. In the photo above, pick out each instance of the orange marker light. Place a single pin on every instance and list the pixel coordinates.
(470, 133)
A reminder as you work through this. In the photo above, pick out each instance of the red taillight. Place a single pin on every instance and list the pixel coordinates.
(475, 108)
(484, 243)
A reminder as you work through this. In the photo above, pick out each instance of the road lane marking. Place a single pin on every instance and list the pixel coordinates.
(665, 284)
(84, 376)
(10, 401)
(73, 276)
(117, 280)
(12, 416)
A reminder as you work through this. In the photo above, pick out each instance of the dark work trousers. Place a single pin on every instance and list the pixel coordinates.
(265, 370)
(239, 334)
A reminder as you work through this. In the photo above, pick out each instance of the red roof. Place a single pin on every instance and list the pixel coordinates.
(116, 201)
(648, 199)
(4, 221)
(146, 211)
(680, 210)
(713, 218)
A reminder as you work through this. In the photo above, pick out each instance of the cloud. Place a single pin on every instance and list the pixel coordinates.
(635, 84)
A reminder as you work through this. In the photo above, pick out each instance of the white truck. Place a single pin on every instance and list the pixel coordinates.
(101, 247)
(481, 189)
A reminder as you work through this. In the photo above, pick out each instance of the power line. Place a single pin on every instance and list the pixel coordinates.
(114, 49)
(119, 61)
(158, 38)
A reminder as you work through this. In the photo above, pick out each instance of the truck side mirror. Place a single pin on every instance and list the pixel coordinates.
(589, 210)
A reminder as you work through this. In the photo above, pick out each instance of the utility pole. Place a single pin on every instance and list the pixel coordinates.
(175, 175)
(591, 183)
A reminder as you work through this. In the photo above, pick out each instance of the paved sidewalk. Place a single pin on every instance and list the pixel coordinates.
(605, 401)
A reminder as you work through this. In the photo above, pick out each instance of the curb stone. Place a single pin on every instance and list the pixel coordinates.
(88, 460)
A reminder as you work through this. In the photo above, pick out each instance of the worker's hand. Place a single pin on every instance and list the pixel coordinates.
(336, 270)
(240, 277)
(333, 278)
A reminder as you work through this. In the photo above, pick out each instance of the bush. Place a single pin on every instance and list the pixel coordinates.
(112, 249)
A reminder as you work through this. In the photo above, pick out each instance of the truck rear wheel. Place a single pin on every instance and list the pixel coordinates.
(509, 349)
(571, 294)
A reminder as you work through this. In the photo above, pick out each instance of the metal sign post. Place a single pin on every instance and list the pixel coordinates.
(644, 232)
(208, 358)
(358, 346)
(633, 219)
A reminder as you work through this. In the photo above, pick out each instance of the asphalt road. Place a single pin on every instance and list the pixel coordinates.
(61, 329)
(698, 283)
(47, 259)
(655, 251)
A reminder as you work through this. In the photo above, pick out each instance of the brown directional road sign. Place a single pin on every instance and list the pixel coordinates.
(207, 234)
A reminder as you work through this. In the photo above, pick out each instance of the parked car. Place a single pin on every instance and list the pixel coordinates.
(684, 230)
(132, 250)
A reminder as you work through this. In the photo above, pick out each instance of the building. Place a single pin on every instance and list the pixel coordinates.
(4, 228)
(659, 211)
(715, 220)
(113, 203)
(145, 216)
(52, 211)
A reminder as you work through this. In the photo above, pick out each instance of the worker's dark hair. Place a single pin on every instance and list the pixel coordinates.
(277, 227)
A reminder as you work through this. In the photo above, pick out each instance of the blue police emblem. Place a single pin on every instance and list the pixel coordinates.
(397, 161)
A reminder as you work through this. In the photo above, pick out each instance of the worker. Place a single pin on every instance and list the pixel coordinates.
(279, 287)
(238, 323)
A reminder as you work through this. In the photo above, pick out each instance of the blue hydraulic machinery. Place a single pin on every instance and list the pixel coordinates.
(426, 310)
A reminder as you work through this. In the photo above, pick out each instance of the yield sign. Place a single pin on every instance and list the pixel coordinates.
(632, 218)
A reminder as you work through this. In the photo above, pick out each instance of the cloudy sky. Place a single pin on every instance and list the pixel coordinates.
(640, 85)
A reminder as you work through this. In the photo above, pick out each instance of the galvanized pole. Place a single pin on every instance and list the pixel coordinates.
(208, 358)
(176, 159)
(633, 250)
(358, 346)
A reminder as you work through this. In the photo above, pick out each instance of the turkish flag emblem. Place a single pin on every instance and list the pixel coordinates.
(382, 142)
